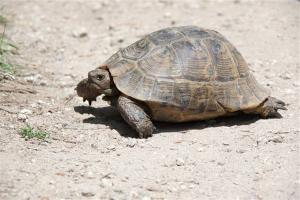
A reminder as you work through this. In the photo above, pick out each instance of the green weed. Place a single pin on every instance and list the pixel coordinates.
(29, 133)
(7, 48)
(3, 20)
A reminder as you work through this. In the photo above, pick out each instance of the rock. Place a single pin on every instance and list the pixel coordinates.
(172, 189)
(121, 40)
(289, 91)
(87, 194)
(131, 143)
(179, 162)
(111, 148)
(286, 76)
(241, 151)
(22, 117)
(200, 149)
(276, 139)
(43, 83)
(167, 15)
(105, 51)
(90, 175)
(227, 150)
(220, 163)
(111, 28)
(106, 182)
(146, 198)
(296, 84)
(183, 187)
(154, 188)
(40, 102)
(133, 195)
(100, 18)
(33, 78)
(80, 33)
(94, 146)
(269, 83)
(26, 111)
(60, 174)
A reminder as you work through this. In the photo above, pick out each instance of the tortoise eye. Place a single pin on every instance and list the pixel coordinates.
(100, 77)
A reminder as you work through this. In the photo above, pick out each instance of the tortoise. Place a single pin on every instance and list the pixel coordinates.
(178, 74)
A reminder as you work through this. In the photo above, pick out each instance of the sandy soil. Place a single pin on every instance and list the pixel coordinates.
(93, 154)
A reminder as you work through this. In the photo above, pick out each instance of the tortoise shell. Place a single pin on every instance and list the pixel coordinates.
(185, 73)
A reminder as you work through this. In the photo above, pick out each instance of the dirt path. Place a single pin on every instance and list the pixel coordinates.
(92, 154)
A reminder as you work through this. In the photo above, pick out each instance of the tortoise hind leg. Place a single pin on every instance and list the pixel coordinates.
(135, 116)
(270, 107)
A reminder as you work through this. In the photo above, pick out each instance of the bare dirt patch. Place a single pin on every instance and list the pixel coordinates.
(92, 153)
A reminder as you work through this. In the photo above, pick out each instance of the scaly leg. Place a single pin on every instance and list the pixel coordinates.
(135, 116)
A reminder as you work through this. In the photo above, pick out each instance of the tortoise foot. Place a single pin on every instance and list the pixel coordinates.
(270, 108)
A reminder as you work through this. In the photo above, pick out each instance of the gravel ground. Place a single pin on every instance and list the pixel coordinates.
(93, 154)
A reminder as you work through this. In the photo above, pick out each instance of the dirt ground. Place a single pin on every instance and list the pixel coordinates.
(93, 154)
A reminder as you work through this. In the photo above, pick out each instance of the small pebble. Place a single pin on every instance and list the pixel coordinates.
(183, 187)
(296, 84)
(80, 33)
(90, 175)
(200, 149)
(94, 146)
(121, 40)
(22, 117)
(146, 198)
(33, 78)
(179, 162)
(133, 195)
(241, 151)
(87, 194)
(131, 143)
(286, 76)
(111, 148)
(289, 91)
(43, 83)
(276, 139)
(154, 188)
(26, 111)
(106, 182)
(167, 15)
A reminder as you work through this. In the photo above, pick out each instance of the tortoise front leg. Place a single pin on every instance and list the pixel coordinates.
(135, 116)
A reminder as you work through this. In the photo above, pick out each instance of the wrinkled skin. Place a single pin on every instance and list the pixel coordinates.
(98, 83)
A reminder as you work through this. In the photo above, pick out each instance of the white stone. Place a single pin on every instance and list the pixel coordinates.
(22, 117)
(26, 111)
(179, 162)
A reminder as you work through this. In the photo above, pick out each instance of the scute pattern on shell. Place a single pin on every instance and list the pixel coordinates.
(186, 68)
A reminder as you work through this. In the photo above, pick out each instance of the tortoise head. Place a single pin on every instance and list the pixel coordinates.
(98, 82)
